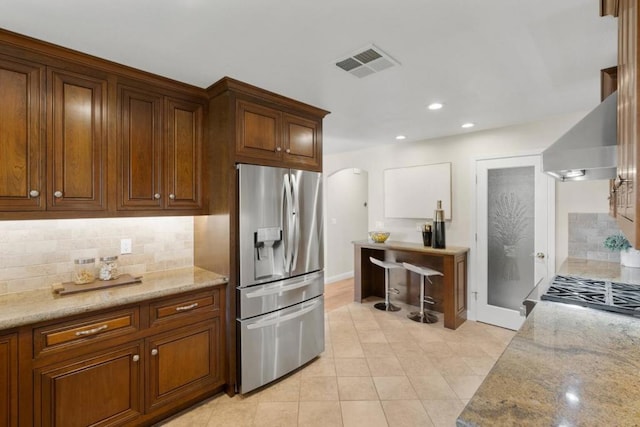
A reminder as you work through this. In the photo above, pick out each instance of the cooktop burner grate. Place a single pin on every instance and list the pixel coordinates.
(599, 294)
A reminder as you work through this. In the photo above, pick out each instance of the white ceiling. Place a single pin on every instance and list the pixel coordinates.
(491, 62)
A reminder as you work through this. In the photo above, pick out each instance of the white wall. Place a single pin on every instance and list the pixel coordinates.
(463, 150)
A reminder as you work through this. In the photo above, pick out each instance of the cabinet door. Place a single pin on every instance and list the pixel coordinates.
(21, 141)
(139, 149)
(77, 128)
(197, 351)
(302, 141)
(183, 154)
(99, 391)
(258, 131)
(8, 380)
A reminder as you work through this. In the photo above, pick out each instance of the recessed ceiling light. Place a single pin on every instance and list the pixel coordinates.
(468, 125)
(435, 106)
(401, 137)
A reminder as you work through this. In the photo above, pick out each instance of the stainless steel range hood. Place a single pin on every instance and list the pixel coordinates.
(589, 149)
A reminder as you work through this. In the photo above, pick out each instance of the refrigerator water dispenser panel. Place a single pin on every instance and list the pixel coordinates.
(264, 241)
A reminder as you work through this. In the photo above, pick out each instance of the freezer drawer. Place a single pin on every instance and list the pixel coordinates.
(261, 299)
(277, 343)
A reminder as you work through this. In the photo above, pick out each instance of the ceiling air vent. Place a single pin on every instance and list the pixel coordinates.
(366, 61)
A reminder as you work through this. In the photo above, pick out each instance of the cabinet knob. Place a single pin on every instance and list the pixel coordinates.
(278, 149)
(154, 352)
(172, 196)
(136, 357)
(57, 194)
(287, 151)
(156, 196)
(34, 193)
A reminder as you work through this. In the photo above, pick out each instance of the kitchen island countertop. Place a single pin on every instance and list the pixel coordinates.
(567, 365)
(17, 309)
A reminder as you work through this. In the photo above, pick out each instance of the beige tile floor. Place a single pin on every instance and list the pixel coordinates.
(378, 369)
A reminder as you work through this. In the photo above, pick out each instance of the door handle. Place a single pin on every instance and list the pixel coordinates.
(282, 319)
(280, 289)
(287, 215)
(295, 217)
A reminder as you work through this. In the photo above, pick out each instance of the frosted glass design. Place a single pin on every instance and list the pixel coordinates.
(511, 235)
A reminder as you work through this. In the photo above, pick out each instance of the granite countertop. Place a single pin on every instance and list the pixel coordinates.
(567, 366)
(409, 246)
(600, 270)
(23, 308)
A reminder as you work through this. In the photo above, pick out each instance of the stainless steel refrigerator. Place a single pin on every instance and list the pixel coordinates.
(281, 281)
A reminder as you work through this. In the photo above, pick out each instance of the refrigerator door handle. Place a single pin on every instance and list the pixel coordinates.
(280, 289)
(281, 319)
(287, 226)
(296, 221)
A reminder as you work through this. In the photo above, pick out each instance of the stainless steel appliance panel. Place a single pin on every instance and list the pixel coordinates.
(308, 250)
(279, 342)
(262, 239)
(260, 299)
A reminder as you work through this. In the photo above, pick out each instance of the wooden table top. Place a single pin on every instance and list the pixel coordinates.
(393, 245)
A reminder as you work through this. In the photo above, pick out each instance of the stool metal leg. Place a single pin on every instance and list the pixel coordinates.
(386, 305)
(422, 316)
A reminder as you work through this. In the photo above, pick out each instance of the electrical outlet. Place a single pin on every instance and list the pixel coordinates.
(379, 225)
(125, 246)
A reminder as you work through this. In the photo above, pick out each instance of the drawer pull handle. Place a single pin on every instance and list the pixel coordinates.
(91, 331)
(187, 307)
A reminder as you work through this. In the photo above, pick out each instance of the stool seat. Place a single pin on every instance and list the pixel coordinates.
(424, 271)
(387, 265)
(423, 316)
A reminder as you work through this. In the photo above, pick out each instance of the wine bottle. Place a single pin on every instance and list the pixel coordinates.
(438, 227)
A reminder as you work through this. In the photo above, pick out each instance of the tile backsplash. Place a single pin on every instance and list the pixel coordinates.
(35, 254)
(587, 232)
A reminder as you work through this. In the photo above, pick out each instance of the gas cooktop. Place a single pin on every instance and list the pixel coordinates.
(599, 294)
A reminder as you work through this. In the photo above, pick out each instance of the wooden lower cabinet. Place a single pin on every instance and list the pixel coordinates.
(131, 377)
(9, 380)
(194, 352)
(97, 390)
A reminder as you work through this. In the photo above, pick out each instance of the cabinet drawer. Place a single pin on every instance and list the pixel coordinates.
(86, 330)
(203, 303)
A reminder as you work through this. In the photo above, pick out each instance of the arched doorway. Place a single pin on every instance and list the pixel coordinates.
(347, 219)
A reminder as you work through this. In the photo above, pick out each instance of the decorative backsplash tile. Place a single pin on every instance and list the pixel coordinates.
(587, 232)
(35, 254)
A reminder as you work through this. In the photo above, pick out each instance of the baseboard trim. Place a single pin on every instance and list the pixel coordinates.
(337, 278)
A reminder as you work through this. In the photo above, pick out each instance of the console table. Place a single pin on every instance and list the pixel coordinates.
(449, 290)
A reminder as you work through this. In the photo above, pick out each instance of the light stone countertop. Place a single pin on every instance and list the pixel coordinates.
(28, 307)
(569, 366)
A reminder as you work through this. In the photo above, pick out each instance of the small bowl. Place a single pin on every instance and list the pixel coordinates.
(379, 236)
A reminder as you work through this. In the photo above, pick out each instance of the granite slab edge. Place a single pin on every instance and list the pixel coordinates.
(40, 305)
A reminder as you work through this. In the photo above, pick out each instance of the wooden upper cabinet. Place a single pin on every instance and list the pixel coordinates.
(276, 137)
(258, 131)
(302, 141)
(139, 149)
(22, 88)
(628, 140)
(265, 128)
(77, 141)
(9, 380)
(184, 154)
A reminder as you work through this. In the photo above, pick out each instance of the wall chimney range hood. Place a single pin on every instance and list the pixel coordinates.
(589, 149)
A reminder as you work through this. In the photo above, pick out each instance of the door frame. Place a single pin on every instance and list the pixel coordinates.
(472, 294)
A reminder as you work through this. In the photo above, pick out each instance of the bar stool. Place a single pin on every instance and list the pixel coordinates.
(422, 316)
(386, 305)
